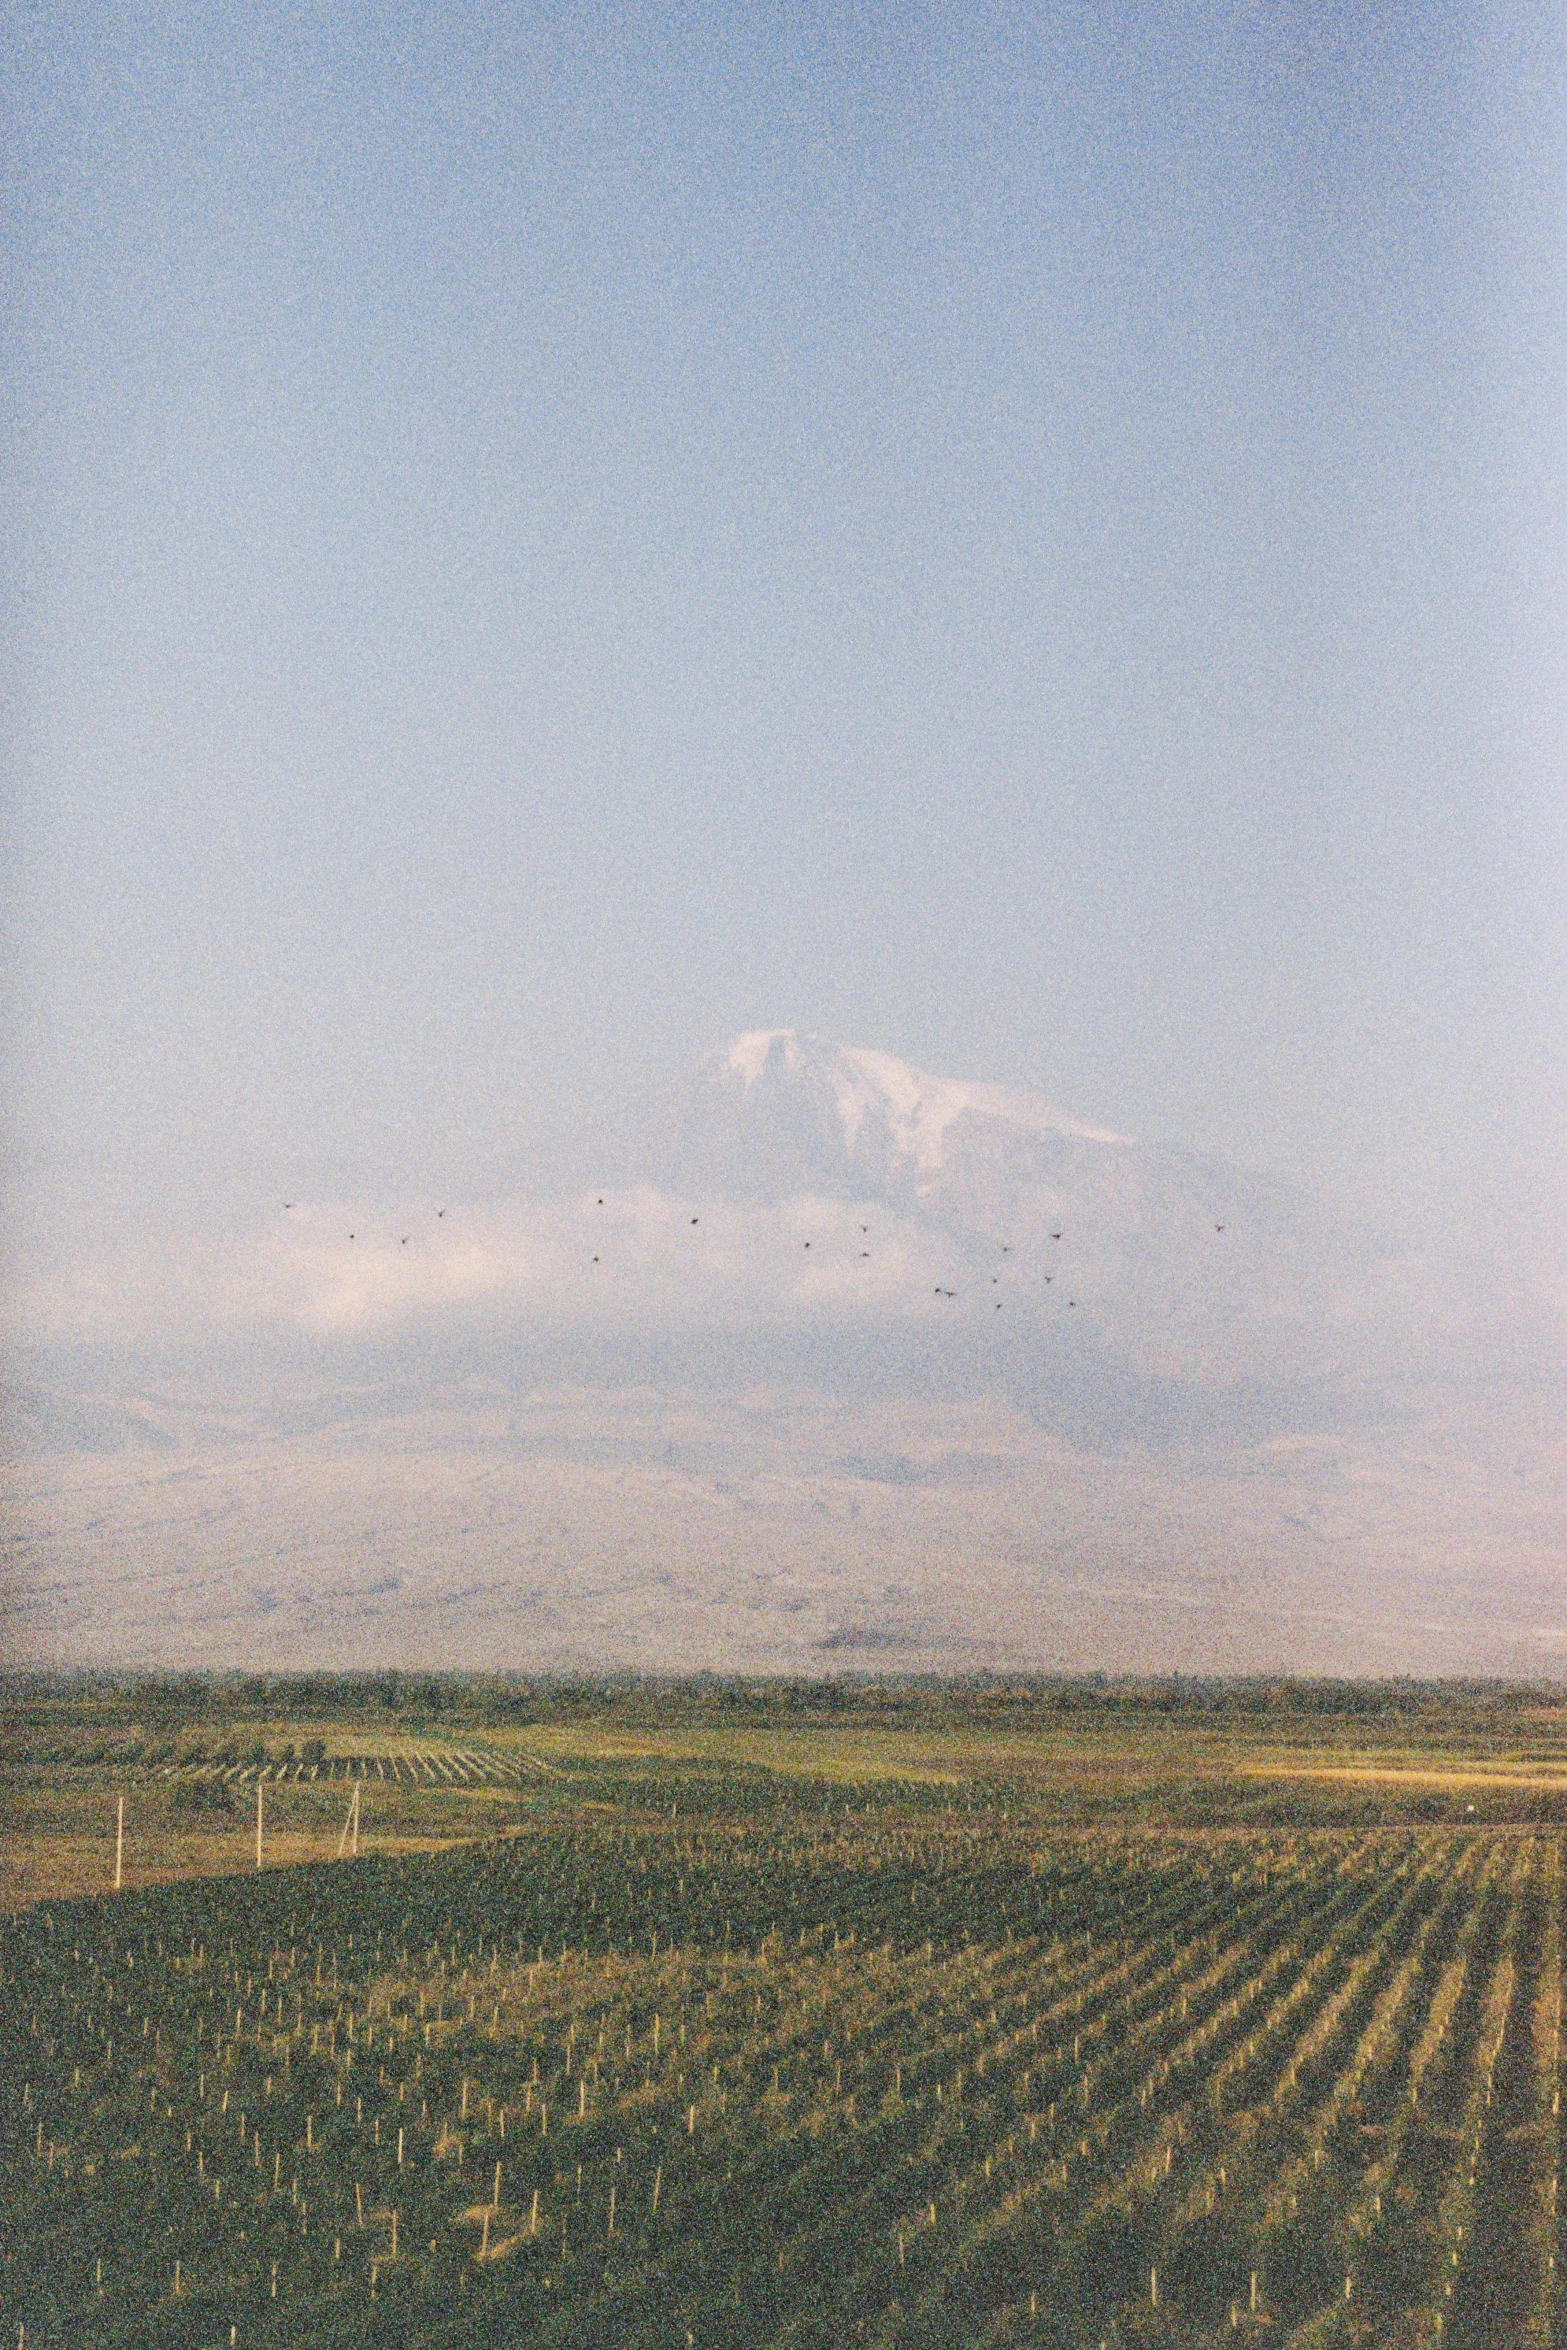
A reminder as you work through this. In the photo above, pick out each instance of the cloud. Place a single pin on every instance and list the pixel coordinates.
(631, 1258)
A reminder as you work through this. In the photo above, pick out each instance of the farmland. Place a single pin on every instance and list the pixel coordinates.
(708, 2031)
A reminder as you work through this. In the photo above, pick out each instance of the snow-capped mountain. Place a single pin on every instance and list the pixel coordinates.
(1179, 1263)
(774, 1114)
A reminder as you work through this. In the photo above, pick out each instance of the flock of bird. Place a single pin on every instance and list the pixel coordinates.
(1007, 1250)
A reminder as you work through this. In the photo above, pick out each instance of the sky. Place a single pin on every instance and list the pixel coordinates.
(1031, 539)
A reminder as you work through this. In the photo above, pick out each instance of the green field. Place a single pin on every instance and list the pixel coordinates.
(929, 2024)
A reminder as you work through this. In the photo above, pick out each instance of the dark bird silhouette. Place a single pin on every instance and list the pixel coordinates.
(595, 1260)
(696, 1219)
(439, 1213)
(1006, 1248)
(1055, 1235)
(865, 1252)
(405, 1240)
(288, 1203)
(865, 1228)
(807, 1244)
(601, 1200)
(350, 1236)
(1218, 1228)
(1050, 1276)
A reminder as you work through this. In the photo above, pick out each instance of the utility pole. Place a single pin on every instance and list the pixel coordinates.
(119, 1845)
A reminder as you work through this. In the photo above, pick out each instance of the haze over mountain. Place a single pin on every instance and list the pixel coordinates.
(842, 1359)
(809, 1193)
(1192, 1267)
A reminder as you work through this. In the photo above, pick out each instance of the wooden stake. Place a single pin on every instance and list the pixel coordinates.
(258, 1823)
(119, 1845)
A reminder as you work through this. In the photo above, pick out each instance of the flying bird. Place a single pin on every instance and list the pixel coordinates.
(696, 1219)
(439, 1213)
(405, 1240)
(1218, 1228)
(1055, 1235)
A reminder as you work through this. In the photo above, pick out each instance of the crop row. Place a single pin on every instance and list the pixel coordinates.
(1181, 2089)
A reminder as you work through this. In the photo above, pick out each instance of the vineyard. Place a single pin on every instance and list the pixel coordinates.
(733, 2065)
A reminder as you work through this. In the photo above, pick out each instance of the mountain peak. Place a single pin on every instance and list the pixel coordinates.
(918, 1107)
(775, 1112)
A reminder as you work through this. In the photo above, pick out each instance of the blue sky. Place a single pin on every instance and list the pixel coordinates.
(1027, 538)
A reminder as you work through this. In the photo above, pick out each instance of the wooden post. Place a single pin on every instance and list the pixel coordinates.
(258, 1823)
(119, 1844)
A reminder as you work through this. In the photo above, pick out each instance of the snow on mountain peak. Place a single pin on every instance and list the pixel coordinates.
(911, 1108)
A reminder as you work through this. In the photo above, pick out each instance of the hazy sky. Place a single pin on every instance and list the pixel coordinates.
(1028, 537)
